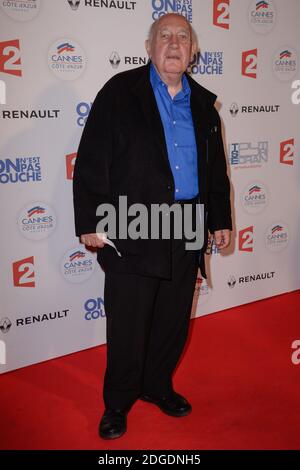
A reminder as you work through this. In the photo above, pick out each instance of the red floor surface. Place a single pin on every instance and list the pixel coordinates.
(236, 371)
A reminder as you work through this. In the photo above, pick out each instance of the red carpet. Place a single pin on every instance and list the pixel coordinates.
(236, 371)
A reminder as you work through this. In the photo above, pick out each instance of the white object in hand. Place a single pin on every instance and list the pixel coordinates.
(106, 240)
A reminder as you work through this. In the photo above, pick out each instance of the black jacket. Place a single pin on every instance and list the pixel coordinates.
(123, 152)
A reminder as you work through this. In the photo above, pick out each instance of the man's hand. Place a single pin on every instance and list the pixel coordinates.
(96, 240)
(222, 238)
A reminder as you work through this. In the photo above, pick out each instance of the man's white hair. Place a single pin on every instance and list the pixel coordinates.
(154, 26)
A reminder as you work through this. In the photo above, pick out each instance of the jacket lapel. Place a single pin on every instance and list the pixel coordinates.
(200, 114)
(144, 92)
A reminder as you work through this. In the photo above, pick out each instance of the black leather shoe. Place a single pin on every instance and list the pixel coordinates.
(176, 405)
(113, 424)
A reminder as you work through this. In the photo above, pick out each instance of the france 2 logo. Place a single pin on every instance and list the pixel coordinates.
(249, 63)
(23, 272)
(10, 57)
(70, 163)
(221, 13)
(246, 239)
(287, 151)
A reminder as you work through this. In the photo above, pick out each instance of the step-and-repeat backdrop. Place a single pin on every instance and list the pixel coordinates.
(54, 57)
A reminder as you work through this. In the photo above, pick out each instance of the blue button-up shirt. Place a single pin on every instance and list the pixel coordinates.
(178, 125)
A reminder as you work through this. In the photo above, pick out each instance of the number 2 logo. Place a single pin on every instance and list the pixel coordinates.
(221, 13)
(23, 272)
(287, 150)
(246, 239)
(249, 63)
(10, 57)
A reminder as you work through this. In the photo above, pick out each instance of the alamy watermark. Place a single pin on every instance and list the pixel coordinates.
(2, 92)
(160, 221)
(296, 94)
(295, 358)
(2, 352)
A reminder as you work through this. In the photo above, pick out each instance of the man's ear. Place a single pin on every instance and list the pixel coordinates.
(147, 46)
(193, 50)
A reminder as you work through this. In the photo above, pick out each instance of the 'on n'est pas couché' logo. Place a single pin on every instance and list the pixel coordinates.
(255, 198)
(162, 7)
(37, 221)
(277, 237)
(20, 170)
(83, 110)
(66, 59)
(21, 10)
(285, 63)
(94, 309)
(78, 264)
(262, 16)
(207, 62)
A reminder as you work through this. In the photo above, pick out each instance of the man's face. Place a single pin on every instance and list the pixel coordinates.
(171, 48)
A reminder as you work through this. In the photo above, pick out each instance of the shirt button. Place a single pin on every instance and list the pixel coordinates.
(177, 190)
(175, 144)
(174, 122)
(177, 167)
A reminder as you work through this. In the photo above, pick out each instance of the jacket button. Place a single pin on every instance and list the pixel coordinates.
(169, 186)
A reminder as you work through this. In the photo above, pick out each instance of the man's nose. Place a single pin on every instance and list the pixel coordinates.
(174, 42)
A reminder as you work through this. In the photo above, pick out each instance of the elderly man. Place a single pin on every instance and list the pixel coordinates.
(154, 136)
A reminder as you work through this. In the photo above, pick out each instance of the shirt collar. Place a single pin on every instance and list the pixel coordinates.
(157, 82)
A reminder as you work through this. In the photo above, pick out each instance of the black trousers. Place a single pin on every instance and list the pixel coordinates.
(147, 327)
